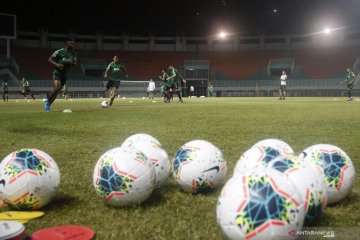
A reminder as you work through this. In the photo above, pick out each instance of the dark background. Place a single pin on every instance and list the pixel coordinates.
(188, 17)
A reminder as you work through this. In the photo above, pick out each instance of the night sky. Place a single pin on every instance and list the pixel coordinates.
(188, 17)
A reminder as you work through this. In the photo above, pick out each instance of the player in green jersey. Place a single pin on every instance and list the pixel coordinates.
(62, 60)
(166, 85)
(350, 82)
(175, 85)
(25, 88)
(115, 72)
(5, 90)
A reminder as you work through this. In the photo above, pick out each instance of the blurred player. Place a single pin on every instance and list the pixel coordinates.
(25, 88)
(350, 82)
(150, 89)
(64, 92)
(166, 85)
(5, 90)
(175, 85)
(62, 60)
(283, 82)
(114, 71)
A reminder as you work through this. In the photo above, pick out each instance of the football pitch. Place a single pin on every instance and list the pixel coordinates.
(76, 140)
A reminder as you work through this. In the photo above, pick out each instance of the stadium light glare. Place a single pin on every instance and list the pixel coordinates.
(222, 35)
(327, 30)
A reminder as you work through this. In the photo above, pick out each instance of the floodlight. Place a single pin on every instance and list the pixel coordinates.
(222, 34)
(327, 30)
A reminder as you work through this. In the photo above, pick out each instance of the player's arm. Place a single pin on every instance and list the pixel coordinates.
(106, 74)
(173, 75)
(74, 61)
(51, 60)
(124, 71)
(181, 77)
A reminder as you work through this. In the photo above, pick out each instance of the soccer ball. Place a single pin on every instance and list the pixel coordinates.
(159, 158)
(309, 183)
(282, 147)
(336, 168)
(261, 154)
(28, 179)
(199, 166)
(140, 137)
(104, 104)
(124, 176)
(259, 205)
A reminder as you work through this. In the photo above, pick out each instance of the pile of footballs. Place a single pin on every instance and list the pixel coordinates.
(272, 192)
(128, 174)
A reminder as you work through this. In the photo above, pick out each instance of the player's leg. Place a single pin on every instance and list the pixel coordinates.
(7, 97)
(32, 96)
(55, 91)
(178, 91)
(23, 93)
(280, 93)
(4, 96)
(107, 87)
(59, 82)
(113, 91)
(349, 88)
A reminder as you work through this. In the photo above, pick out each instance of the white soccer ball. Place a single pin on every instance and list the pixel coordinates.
(29, 179)
(261, 154)
(199, 166)
(159, 158)
(105, 104)
(336, 167)
(259, 205)
(282, 147)
(124, 176)
(140, 137)
(308, 181)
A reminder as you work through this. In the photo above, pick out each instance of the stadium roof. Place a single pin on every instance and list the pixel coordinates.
(189, 17)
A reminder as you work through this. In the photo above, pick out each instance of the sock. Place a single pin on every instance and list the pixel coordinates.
(111, 101)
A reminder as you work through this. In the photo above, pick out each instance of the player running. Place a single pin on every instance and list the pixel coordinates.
(114, 71)
(62, 60)
(5, 90)
(175, 85)
(350, 81)
(25, 88)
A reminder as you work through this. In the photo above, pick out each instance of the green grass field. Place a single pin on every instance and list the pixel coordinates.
(76, 141)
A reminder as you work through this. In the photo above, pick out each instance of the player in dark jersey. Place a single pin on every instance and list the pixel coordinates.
(350, 82)
(25, 88)
(115, 72)
(175, 86)
(62, 60)
(166, 86)
(5, 90)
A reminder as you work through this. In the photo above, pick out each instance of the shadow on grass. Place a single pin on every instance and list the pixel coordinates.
(60, 201)
(349, 200)
(34, 130)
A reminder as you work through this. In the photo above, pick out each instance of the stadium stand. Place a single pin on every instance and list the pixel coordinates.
(240, 65)
(324, 63)
(33, 62)
(144, 65)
